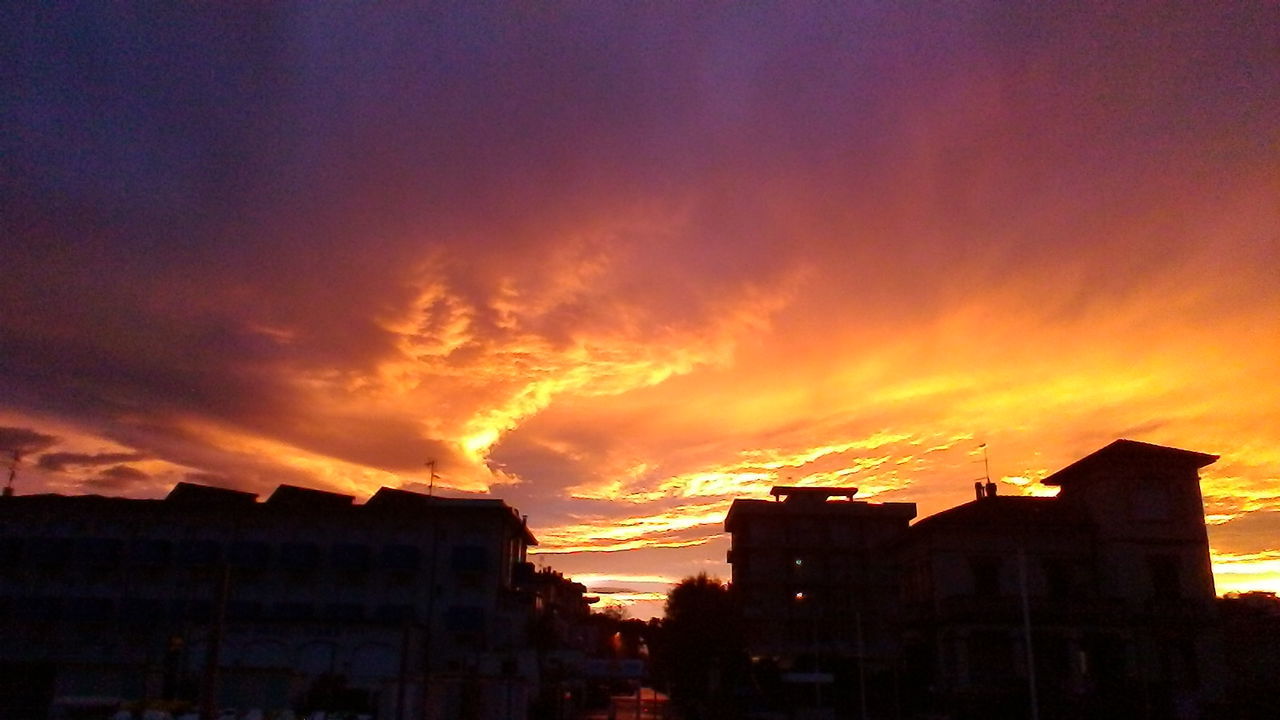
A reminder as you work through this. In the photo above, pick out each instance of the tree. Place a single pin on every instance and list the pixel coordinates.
(701, 648)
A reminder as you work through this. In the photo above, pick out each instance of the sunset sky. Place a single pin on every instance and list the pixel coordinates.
(621, 263)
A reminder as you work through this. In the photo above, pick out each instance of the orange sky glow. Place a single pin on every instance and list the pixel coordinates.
(622, 268)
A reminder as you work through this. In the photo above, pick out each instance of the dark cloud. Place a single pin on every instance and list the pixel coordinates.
(610, 590)
(209, 479)
(60, 461)
(118, 478)
(23, 440)
(1247, 533)
(123, 473)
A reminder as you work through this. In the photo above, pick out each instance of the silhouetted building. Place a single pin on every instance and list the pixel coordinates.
(562, 634)
(1110, 581)
(817, 580)
(306, 599)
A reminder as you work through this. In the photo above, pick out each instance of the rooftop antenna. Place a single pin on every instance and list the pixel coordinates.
(989, 490)
(431, 481)
(13, 472)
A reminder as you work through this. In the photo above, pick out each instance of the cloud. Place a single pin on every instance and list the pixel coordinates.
(1247, 533)
(619, 265)
(23, 440)
(60, 461)
(117, 479)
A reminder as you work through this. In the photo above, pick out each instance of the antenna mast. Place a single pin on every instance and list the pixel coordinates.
(431, 479)
(13, 472)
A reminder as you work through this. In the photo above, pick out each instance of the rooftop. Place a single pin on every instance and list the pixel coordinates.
(287, 499)
(1129, 453)
(1005, 511)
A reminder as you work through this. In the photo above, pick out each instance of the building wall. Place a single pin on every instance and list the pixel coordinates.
(817, 577)
(121, 597)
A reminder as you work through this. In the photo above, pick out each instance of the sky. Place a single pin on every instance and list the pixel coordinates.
(621, 263)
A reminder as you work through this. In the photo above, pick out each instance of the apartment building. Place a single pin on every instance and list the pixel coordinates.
(1098, 602)
(404, 606)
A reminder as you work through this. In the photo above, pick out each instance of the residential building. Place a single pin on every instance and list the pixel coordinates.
(405, 606)
(1098, 602)
(817, 582)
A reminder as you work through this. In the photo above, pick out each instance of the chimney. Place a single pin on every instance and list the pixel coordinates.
(977, 490)
(991, 489)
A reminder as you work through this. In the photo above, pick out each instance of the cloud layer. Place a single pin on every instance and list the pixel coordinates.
(620, 264)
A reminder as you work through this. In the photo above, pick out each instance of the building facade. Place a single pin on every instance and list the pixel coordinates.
(1098, 602)
(817, 583)
(405, 606)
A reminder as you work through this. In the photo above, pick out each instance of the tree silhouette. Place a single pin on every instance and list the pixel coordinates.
(701, 647)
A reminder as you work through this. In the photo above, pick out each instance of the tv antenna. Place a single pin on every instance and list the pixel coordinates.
(431, 478)
(987, 489)
(13, 472)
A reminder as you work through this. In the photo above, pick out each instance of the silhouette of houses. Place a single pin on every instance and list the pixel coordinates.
(1098, 602)
(305, 599)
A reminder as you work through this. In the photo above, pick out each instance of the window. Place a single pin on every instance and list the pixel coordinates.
(469, 563)
(199, 552)
(401, 557)
(350, 557)
(469, 559)
(1152, 500)
(250, 554)
(986, 576)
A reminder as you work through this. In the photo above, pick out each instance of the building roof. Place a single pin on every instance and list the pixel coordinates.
(185, 493)
(811, 494)
(1129, 453)
(190, 497)
(1005, 511)
(747, 508)
(404, 500)
(300, 497)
